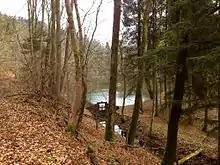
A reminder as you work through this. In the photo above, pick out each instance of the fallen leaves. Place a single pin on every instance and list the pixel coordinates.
(31, 133)
(32, 139)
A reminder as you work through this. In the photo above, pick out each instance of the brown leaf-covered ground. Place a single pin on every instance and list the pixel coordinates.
(34, 133)
(190, 137)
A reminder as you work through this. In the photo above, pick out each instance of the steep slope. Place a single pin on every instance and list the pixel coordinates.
(30, 133)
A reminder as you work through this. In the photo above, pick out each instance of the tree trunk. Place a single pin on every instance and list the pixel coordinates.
(78, 69)
(138, 98)
(154, 111)
(165, 87)
(113, 72)
(42, 85)
(52, 84)
(169, 156)
(124, 96)
(83, 102)
(66, 58)
(170, 151)
(31, 15)
(205, 120)
(149, 88)
(189, 69)
(218, 115)
(84, 60)
(58, 52)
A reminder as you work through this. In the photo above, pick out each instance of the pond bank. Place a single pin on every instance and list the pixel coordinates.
(189, 140)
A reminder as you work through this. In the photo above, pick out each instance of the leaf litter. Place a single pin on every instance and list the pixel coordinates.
(32, 133)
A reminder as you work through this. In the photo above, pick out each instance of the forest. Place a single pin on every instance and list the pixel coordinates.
(149, 96)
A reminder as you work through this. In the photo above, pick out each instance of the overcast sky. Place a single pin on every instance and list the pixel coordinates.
(104, 31)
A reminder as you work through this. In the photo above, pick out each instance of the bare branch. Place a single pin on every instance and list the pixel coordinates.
(93, 33)
(84, 18)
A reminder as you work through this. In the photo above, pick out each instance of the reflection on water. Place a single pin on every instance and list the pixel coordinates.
(117, 129)
(102, 95)
(120, 132)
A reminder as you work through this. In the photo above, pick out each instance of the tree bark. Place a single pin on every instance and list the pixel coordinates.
(53, 51)
(205, 124)
(42, 85)
(138, 98)
(84, 60)
(66, 58)
(169, 156)
(58, 51)
(31, 14)
(113, 73)
(218, 114)
(149, 88)
(78, 70)
(170, 151)
(124, 96)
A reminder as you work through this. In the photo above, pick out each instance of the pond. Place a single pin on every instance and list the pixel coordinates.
(102, 95)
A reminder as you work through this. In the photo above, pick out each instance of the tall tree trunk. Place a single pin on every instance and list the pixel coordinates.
(83, 76)
(206, 102)
(124, 79)
(52, 84)
(138, 100)
(124, 96)
(31, 37)
(165, 87)
(84, 60)
(189, 69)
(161, 91)
(58, 52)
(165, 69)
(205, 123)
(169, 156)
(78, 70)
(154, 107)
(148, 85)
(218, 114)
(170, 151)
(83, 101)
(42, 85)
(113, 72)
(66, 58)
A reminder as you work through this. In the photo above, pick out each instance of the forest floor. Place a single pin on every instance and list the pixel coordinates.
(190, 138)
(32, 132)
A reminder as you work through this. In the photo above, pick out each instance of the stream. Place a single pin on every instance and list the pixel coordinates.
(102, 96)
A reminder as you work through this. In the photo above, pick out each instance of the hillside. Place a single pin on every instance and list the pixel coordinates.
(34, 134)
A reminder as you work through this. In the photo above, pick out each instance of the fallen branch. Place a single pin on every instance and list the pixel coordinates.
(181, 161)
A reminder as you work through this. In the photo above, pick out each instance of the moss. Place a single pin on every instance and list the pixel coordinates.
(91, 153)
(72, 130)
(109, 137)
(109, 133)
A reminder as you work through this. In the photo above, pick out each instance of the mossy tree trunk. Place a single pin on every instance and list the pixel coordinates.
(78, 70)
(113, 72)
(138, 94)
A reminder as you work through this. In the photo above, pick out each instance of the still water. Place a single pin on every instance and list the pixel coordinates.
(102, 95)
